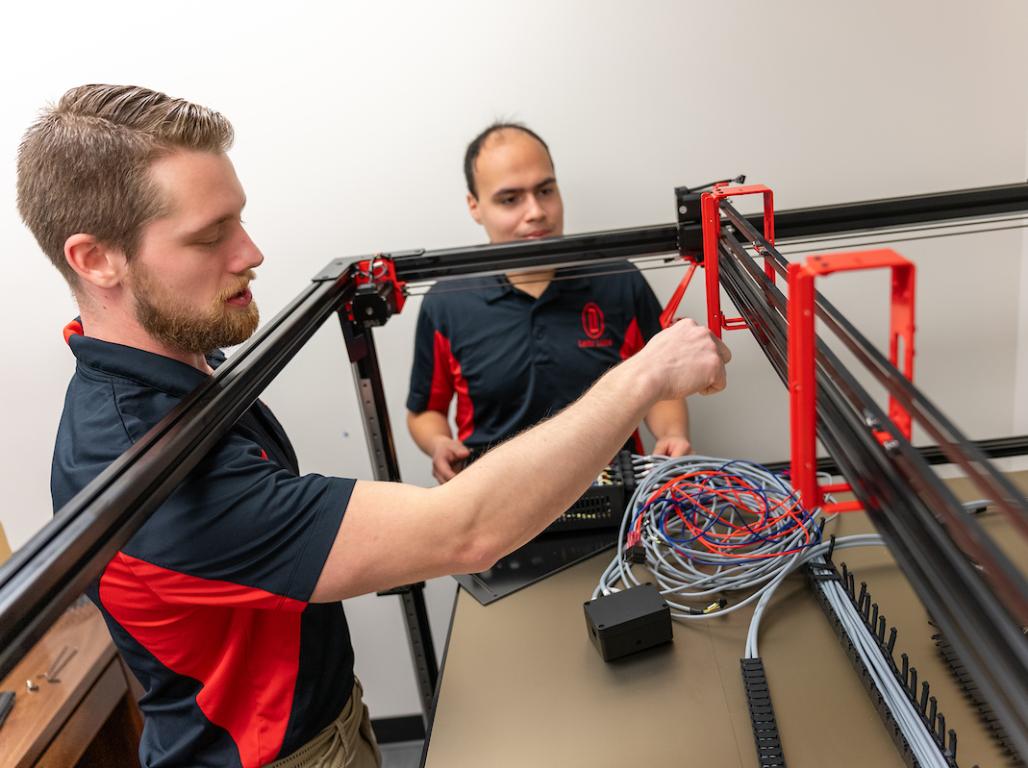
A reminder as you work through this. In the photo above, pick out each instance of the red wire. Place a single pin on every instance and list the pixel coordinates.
(736, 492)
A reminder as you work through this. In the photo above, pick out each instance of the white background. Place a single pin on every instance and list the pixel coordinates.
(352, 119)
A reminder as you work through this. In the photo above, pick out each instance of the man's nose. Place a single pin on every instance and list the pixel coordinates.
(249, 256)
(534, 211)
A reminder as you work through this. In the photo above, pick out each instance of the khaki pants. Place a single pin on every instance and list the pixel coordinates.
(349, 742)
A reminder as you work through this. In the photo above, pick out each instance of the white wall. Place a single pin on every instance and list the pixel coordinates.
(352, 119)
(1021, 379)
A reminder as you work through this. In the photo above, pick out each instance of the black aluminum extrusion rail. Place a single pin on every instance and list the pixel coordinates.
(908, 505)
(385, 467)
(414, 266)
(993, 448)
(54, 567)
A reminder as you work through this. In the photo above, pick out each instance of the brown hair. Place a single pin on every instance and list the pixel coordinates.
(84, 165)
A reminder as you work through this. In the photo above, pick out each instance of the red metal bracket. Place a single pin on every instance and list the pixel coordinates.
(668, 315)
(802, 345)
(710, 210)
(379, 294)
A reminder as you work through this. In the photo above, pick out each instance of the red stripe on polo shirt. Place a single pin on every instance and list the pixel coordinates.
(74, 328)
(448, 378)
(241, 643)
(465, 410)
(442, 385)
(634, 340)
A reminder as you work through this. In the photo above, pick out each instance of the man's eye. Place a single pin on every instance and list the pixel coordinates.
(509, 200)
(546, 191)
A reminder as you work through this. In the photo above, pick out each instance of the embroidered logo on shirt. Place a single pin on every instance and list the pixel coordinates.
(594, 326)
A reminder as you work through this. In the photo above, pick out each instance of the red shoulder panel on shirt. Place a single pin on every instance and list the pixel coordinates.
(241, 643)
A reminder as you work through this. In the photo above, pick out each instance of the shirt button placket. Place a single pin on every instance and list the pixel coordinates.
(540, 353)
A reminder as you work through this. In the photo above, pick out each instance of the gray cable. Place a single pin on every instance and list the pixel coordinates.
(922, 743)
(681, 581)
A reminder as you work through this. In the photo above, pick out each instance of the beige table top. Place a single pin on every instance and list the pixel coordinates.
(522, 685)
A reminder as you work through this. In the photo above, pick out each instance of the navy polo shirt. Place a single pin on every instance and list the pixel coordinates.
(208, 602)
(512, 360)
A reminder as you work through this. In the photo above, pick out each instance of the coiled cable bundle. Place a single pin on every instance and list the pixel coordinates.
(706, 527)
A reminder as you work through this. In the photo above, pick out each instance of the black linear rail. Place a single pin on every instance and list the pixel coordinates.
(43, 577)
(591, 247)
(993, 448)
(902, 497)
(897, 211)
(413, 266)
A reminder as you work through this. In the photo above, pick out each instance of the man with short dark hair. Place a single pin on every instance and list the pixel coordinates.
(225, 603)
(515, 348)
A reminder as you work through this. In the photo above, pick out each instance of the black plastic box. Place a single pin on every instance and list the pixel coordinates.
(628, 621)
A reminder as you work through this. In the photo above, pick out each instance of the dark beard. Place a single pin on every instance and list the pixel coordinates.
(198, 333)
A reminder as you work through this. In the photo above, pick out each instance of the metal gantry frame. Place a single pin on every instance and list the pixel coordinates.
(914, 511)
(974, 593)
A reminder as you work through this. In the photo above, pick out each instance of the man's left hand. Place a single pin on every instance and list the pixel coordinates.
(672, 446)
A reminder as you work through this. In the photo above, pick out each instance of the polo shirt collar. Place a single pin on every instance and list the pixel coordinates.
(163, 373)
(497, 287)
(571, 279)
(570, 282)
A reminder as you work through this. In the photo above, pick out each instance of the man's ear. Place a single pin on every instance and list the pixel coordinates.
(94, 262)
(473, 208)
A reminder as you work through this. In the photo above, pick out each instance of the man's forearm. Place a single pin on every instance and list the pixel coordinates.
(516, 489)
(427, 427)
(668, 418)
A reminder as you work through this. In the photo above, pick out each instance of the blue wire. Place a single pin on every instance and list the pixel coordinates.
(691, 506)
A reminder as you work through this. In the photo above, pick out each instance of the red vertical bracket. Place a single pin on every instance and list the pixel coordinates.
(667, 317)
(802, 346)
(710, 212)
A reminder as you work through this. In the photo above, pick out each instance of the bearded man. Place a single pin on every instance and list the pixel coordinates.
(226, 602)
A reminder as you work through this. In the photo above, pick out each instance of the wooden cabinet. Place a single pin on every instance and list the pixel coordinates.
(88, 718)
